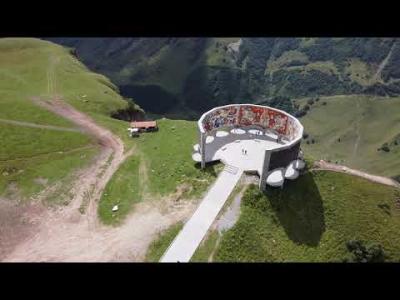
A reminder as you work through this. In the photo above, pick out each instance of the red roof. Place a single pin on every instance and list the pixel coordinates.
(144, 124)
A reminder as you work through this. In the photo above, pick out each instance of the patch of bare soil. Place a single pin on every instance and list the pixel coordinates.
(16, 223)
(12, 192)
(73, 239)
(65, 234)
(41, 181)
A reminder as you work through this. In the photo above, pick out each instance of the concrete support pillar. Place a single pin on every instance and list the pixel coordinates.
(203, 149)
(265, 172)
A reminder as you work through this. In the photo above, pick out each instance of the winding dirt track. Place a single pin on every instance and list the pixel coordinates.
(323, 165)
(383, 64)
(33, 125)
(65, 234)
(93, 180)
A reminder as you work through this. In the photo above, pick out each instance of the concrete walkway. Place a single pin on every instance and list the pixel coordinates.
(189, 238)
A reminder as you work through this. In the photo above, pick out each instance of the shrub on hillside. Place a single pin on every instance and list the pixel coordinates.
(297, 83)
(359, 252)
(397, 178)
(130, 113)
(300, 113)
(281, 102)
(384, 147)
(282, 45)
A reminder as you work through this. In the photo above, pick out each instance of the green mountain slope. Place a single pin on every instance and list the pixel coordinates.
(353, 130)
(323, 210)
(40, 148)
(185, 76)
(164, 74)
(310, 220)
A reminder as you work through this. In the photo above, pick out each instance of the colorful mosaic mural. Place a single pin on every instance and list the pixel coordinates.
(277, 121)
(246, 115)
(221, 117)
(251, 115)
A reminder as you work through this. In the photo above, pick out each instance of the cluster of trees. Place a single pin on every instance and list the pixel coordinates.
(295, 63)
(311, 141)
(370, 50)
(207, 87)
(296, 83)
(282, 45)
(308, 139)
(384, 147)
(302, 112)
(361, 252)
(388, 145)
(281, 102)
(257, 51)
(380, 89)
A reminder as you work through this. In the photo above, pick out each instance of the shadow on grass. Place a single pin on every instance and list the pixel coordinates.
(209, 169)
(299, 209)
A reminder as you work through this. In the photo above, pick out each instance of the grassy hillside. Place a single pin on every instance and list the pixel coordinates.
(166, 75)
(32, 159)
(351, 129)
(311, 220)
(161, 163)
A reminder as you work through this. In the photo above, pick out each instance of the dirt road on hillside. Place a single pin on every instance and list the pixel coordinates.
(63, 239)
(65, 234)
(323, 165)
(91, 181)
(383, 64)
(39, 126)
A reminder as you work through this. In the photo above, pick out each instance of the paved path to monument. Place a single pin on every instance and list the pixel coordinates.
(189, 238)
